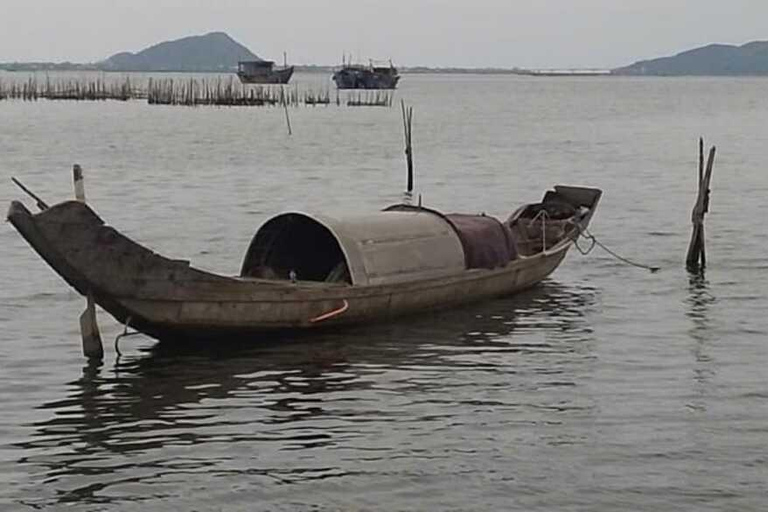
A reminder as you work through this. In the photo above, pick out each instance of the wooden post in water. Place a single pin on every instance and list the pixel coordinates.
(77, 178)
(284, 97)
(89, 329)
(696, 260)
(407, 127)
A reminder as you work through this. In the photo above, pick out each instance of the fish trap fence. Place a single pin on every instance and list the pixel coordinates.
(370, 98)
(193, 92)
(220, 91)
(70, 89)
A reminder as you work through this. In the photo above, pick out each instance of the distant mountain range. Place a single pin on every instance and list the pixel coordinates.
(711, 60)
(212, 52)
(218, 52)
(215, 51)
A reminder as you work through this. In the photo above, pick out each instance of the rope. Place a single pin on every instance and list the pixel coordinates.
(589, 236)
(544, 218)
(584, 251)
(124, 334)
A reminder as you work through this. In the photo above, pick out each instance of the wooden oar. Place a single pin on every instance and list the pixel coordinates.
(89, 329)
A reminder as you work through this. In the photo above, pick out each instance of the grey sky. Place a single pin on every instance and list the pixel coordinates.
(503, 33)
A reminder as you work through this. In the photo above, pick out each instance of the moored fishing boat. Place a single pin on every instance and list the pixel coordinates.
(263, 72)
(358, 76)
(304, 271)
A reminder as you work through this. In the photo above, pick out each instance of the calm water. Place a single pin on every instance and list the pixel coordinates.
(606, 388)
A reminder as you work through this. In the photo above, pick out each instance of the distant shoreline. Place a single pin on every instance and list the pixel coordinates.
(28, 67)
(43, 67)
(217, 52)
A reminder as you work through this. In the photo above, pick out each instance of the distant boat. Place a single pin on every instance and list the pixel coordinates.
(358, 76)
(307, 271)
(263, 72)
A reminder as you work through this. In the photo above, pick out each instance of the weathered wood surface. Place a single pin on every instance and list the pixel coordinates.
(407, 133)
(696, 258)
(89, 330)
(169, 299)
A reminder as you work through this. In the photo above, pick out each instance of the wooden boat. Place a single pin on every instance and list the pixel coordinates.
(263, 72)
(357, 76)
(305, 271)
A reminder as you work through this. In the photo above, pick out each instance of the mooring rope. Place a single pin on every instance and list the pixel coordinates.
(124, 334)
(584, 232)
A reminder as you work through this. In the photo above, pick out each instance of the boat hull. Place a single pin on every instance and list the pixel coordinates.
(247, 316)
(273, 76)
(355, 78)
(170, 300)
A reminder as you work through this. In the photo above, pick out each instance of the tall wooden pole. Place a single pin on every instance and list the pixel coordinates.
(701, 159)
(284, 97)
(89, 328)
(407, 126)
(696, 259)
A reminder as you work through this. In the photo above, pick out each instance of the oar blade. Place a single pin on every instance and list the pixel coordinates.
(89, 330)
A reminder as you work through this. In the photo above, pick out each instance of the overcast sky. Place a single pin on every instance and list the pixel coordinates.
(466, 33)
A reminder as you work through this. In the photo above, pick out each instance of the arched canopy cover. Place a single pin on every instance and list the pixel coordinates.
(381, 248)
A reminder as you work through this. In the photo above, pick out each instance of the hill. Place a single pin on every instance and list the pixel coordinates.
(215, 51)
(711, 60)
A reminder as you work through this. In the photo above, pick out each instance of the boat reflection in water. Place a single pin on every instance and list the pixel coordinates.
(228, 415)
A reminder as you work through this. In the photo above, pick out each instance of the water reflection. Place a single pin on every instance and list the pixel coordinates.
(699, 297)
(134, 423)
(698, 302)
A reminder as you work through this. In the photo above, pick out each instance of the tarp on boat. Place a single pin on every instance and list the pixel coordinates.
(487, 242)
(400, 244)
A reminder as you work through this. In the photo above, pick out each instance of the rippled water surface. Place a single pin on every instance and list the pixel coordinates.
(605, 388)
